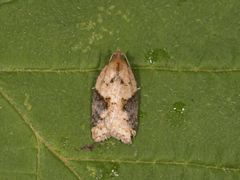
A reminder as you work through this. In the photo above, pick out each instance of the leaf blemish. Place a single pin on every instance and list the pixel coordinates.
(26, 103)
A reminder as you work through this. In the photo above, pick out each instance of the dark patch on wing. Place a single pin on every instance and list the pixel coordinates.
(95, 118)
(112, 80)
(107, 102)
(131, 107)
(98, 107)
(118, 79)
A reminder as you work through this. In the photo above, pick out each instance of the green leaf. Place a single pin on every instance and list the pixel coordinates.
(185, 57)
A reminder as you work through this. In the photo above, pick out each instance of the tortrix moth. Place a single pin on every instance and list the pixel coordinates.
(115, 102)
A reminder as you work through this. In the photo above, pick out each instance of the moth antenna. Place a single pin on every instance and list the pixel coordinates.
(126, 59)
(118, 55)
(112, 56)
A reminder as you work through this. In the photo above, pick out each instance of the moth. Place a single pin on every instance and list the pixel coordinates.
(115, 101)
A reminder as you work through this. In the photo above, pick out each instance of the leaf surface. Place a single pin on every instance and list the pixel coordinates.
(185, 57)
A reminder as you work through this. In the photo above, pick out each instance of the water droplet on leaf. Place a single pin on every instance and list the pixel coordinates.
(179, 107)
(156, 55)
(176, 114)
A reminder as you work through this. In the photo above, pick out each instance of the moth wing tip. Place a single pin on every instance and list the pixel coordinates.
(127, 141)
